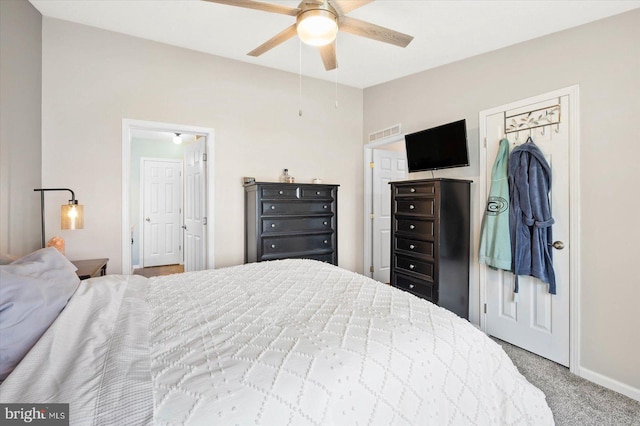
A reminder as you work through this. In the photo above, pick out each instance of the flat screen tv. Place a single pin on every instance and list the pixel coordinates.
(440, 147)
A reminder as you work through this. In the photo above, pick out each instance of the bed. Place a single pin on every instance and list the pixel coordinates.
(287, 342)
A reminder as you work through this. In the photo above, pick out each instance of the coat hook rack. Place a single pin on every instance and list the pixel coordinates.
(533, 119)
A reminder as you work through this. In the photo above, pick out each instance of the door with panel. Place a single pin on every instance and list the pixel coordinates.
(195, 219)
(388, 166)
(161, 204)
(534, 320)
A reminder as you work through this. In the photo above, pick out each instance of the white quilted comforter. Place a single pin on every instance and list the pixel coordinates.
(292, 342)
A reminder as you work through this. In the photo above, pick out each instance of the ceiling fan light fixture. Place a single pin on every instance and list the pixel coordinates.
(177, 139)
(317, 27)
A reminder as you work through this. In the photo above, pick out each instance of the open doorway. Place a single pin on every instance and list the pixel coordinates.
(385, 161)
(167, 221)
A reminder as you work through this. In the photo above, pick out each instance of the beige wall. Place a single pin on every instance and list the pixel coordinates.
(604, 59)
(92, 79)
(20, 106)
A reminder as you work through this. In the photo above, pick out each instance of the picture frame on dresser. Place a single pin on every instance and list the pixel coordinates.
(291, 220)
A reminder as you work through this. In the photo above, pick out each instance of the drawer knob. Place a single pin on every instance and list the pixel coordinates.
(411, 246)
(411, 286)
(412, 266)
(326, 241)
(325, 223)
(412, 227)
(273, 246)
(317, 192)
(280, 192)
(411, 207)
(273, 207)
(325, 206)
(412, 190)
(273, 225)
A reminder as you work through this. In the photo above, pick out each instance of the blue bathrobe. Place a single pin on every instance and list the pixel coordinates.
(530, 215)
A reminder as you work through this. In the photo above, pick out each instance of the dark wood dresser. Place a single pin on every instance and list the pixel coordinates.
(291, 220)
(430, 241)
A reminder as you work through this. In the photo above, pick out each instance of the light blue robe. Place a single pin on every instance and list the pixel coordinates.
(495, 241)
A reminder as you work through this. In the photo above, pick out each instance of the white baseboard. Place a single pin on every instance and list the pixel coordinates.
(608, 382)
(135, 267)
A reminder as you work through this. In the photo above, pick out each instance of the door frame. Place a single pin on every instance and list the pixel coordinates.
(141, 220)
(368, 199)
(574, 210)
(128, 125)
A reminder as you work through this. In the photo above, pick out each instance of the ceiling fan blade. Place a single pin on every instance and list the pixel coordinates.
(257, 5)
(373, 31)
(274, 41)
(328, 53)
(345, 6)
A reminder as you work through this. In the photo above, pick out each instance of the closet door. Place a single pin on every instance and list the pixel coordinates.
(537, 321)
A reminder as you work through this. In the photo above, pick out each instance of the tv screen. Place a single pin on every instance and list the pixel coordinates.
(440, 147)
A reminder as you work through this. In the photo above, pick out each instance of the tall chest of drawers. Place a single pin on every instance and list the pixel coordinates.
(290, 220)
(430, 241)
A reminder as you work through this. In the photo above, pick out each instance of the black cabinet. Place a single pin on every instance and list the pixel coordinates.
(430, 241)
(291, 220)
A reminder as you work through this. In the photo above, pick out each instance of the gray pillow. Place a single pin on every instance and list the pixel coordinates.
(33, 291)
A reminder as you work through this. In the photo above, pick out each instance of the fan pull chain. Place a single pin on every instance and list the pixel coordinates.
(336, 73)
(300, 78)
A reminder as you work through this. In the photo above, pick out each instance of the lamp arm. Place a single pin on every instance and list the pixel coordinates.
(42, 191)
(73, 195)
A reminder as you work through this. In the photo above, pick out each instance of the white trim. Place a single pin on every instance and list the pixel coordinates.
(368, 194)
(574, 211)
(608, 382)
(127, 126)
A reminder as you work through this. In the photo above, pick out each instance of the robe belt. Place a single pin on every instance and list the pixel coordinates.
(529, 221)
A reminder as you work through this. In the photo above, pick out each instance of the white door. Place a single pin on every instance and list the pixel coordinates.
(388, 166)
(538, 321)
(195, 220)
(161, 203)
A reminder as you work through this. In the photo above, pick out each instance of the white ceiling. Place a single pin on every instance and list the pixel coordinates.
(444, 31)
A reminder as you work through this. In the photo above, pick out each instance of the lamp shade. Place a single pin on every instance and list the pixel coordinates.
(72, 216)
(317, 27)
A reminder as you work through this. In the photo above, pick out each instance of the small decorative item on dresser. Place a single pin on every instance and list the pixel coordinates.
(247, 180)
(316, 180)
(286, 178)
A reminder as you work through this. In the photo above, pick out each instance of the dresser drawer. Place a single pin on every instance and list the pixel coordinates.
(295, 207)
(413, 190)
(420, 288)
(315, 193)
(423, 269)
(282, 192)
(297, 244)
(417, 228)
(424, 248)
(419, 207)
(303, 224)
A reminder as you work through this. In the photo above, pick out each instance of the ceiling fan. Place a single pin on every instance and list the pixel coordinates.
(318, 22)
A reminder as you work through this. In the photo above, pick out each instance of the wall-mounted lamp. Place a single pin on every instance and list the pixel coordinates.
(177, 139)
(71, 215)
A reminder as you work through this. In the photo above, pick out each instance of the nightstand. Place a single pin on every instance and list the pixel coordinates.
(90, 268)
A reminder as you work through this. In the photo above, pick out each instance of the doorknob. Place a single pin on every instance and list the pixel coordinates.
(558, 245)
(147, 219)
(184, 227)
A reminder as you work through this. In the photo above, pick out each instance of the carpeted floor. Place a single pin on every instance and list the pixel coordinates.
(574, 401)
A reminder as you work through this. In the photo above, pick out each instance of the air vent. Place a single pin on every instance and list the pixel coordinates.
(394, 130)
